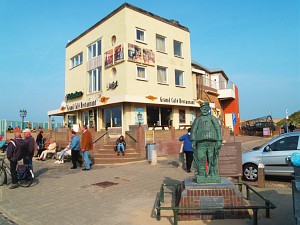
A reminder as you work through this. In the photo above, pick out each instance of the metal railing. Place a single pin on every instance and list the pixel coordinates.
(217, 85)
(97, 139)
(161, 198)
(129, 135)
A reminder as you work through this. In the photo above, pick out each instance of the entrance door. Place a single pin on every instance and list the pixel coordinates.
(113, 116)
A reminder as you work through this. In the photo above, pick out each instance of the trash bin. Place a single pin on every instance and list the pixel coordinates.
(150, 147)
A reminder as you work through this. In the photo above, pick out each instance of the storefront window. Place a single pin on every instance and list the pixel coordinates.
(160, 116)
(85, 118)
(166, 116)
(192, 116)
(152, 115)
(116, 116)
(113, 116)
(71, 120)
(181, 116)
(107, 117)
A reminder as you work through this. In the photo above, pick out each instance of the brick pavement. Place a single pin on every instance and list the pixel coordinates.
(63, 196)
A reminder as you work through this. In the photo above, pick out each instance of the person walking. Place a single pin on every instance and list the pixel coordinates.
(39, 140)
(15, 152)
(187, 149)
(75, 149)
(285, 127)
(31, 147)
(86, 147)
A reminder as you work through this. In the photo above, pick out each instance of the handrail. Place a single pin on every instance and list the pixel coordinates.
(268, 204)
(100, 137)
(127, 133)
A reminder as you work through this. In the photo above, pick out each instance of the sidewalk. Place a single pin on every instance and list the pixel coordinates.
(63, 196)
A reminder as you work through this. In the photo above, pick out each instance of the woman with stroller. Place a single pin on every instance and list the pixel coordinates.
(121, 145)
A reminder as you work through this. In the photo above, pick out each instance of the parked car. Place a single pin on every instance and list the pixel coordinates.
(258, 127)
(272, 155)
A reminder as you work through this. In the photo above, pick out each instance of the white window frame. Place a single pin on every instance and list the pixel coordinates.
(95, 80)
(182, 79)
(76, 60)
(137, 72)
(164, 50)
(94, 50)
(136, 34)
(160, 80)
(180, 45)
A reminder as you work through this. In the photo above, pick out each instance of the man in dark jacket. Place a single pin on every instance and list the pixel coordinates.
(14, 154)
(31, 147)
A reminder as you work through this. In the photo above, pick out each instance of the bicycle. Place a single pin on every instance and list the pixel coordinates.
(24, 173)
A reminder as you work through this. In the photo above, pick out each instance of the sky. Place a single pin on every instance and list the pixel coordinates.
(256, 43)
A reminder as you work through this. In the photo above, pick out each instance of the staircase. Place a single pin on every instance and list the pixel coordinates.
(105, 154)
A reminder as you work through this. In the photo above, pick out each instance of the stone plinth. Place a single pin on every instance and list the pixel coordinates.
(210, 196)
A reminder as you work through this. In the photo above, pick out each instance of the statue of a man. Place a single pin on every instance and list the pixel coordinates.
(206, 141)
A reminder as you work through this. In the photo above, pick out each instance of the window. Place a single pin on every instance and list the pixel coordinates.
(159, 116)
(162, 75)
(181, 116)
(140, 35)
(113, 116)
(285, 144)
(160, 43)
(94, 50)
(178, 78)
(141, 73)
(177, 48)
(95, 80)
(76, 60)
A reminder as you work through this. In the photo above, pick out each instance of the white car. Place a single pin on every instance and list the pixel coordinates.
(272, 155)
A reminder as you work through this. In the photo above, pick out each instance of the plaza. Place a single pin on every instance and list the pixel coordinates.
(63, 196)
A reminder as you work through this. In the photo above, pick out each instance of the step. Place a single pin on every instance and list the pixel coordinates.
(103, 152)
(120, 159)
(113, 155)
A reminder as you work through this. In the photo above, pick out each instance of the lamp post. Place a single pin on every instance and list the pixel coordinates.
(52, 123)
(140, 118)
(23, 114)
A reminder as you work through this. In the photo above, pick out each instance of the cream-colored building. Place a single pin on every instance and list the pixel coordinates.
(130, 68)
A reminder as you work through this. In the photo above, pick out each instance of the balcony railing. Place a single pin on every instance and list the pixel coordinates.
(217, 85)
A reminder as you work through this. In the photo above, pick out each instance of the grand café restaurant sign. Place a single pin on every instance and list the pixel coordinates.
(81, 105)
(176, 100)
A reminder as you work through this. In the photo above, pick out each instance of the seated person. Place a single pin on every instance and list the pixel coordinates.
(62, 154)
(51, 149)
(3, 143)
(121, 145)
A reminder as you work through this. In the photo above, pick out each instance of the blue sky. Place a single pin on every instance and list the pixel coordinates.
(256, 43)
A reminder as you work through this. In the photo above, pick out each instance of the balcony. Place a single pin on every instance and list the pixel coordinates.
(224, 89)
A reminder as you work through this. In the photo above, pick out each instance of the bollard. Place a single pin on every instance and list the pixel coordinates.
(261, 176)
(153, 158)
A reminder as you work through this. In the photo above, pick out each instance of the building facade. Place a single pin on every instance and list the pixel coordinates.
(131, 68)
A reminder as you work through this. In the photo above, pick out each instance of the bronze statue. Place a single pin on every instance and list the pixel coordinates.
(206, 141)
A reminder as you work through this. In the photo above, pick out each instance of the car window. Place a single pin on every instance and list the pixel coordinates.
(285, 144)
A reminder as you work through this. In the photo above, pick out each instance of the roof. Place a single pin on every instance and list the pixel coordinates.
(134, 8)
(210, 71)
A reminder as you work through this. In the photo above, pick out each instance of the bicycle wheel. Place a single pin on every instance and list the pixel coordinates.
(27, 180)
(3, 176)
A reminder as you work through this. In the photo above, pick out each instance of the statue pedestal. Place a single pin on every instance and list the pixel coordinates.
(206, 195)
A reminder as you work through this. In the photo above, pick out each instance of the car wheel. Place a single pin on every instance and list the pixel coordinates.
(250, 172)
